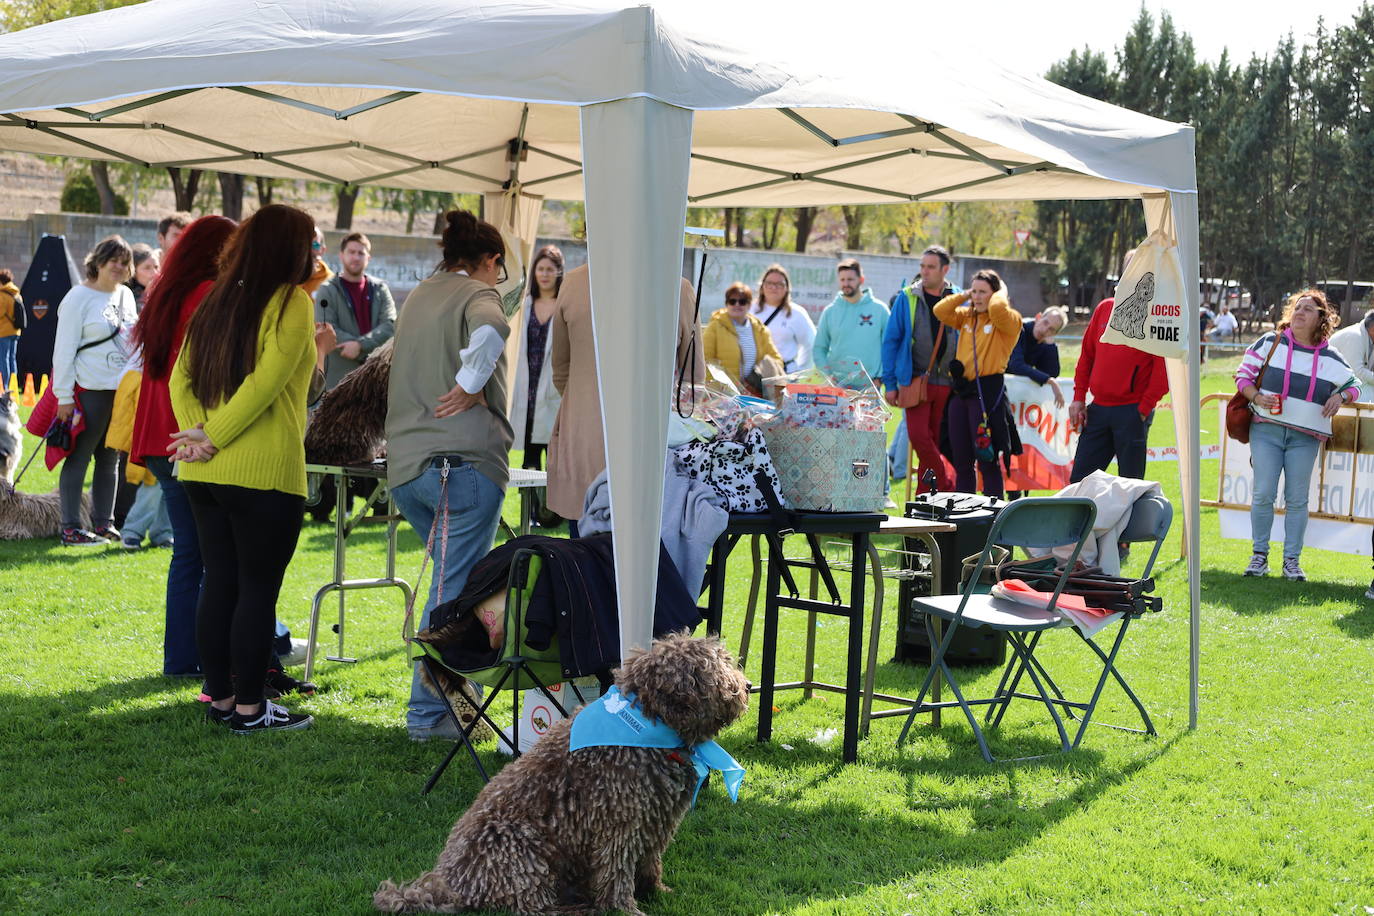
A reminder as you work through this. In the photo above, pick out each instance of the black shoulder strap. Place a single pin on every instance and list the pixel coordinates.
(96, 343)
(776, 309)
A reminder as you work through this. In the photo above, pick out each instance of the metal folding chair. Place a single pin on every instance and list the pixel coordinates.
(1150, 520)
(1037, 525)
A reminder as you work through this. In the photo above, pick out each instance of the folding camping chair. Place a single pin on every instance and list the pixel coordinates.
(1037, 525)
(1150, 520)
(517, 668)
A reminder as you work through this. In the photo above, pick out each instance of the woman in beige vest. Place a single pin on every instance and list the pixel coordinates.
(446, 429)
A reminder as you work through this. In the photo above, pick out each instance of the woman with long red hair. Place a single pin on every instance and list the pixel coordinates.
(169, 304)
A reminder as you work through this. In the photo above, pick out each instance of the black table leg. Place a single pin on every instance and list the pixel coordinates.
(852, 678)
(715, 582)
(768, 670)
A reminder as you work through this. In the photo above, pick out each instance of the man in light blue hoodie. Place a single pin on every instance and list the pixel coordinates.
(851, 328)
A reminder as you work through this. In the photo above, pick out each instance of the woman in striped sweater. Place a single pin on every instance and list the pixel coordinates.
(1295, 383)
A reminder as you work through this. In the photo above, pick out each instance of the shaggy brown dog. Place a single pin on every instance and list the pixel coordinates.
(349, 426)
(584, 832)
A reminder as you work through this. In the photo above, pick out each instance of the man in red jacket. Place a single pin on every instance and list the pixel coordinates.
(1125, 383)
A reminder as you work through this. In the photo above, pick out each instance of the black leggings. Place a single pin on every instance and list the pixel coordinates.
(247, 538)
(90, 443)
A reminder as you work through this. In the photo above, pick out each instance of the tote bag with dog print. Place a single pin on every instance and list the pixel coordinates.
(1150, 312)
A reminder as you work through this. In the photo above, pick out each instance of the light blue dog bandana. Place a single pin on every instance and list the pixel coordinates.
(616, 721)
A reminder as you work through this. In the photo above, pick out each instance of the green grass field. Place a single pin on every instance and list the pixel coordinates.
(118, 797)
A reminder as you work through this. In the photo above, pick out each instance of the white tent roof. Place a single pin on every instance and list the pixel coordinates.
(635, 114)
(409, 93)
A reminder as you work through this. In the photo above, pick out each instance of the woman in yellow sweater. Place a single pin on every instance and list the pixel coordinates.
(988, 330)
(239, 392)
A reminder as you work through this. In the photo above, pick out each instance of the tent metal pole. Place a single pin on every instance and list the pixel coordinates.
(113, 154)
(543, 152)
(530, 184)
(375, 103)
(142, 103)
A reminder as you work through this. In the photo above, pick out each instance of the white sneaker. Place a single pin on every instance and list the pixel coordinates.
(297, 654)
(1369, 592)
(1259, 565)
(1291, 570)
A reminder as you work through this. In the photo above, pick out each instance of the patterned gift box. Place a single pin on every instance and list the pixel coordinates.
(830, 470)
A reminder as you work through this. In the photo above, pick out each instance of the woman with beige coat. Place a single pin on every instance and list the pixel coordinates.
(577, 451)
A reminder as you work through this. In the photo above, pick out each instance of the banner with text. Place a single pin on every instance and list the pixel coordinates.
(1340, 499)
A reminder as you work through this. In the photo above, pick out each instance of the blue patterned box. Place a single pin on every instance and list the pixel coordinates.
(830, 470)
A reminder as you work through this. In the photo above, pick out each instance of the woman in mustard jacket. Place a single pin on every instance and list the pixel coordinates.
(988, 330)
(727, 344)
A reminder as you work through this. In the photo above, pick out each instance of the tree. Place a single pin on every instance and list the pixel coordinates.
(100, 177)
(231, 195)
(347, 197)
(803, 218)
(185, 187)
(21, 14)
(854, 218)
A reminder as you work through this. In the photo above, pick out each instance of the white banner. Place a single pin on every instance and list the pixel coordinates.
(1342, 485)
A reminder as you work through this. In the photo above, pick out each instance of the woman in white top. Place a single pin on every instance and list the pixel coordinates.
(534, 400)
(792, 329)
(94, 323)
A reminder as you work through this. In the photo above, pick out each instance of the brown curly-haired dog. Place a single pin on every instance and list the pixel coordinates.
(584, 832)
(349, 426)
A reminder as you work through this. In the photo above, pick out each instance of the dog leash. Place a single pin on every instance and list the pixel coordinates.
(440, 514)
(20, 476)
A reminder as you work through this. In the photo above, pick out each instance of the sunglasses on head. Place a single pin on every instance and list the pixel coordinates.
(736, 301)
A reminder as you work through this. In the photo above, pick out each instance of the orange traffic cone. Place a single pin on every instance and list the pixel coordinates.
(29, 399)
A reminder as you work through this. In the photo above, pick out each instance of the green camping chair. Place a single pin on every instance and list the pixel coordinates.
(516, 668)
(1036, 525)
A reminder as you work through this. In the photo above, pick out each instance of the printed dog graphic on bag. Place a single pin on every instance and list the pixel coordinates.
(1130, 313)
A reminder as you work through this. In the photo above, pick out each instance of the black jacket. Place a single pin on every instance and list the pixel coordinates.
(574, 598)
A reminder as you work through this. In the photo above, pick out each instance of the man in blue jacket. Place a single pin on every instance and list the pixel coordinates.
(916, 344)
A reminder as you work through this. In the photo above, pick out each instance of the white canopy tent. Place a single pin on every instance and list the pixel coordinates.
(638, 116)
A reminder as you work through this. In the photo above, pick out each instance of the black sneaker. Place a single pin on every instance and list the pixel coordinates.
(80, 537)
(271, 718)
(219, 716)
(283, 683)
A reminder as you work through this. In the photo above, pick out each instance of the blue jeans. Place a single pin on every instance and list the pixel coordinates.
(147, 516)
(897, 451)
(474, 506)
(8, 347)
(1275, 449)
(184, 575)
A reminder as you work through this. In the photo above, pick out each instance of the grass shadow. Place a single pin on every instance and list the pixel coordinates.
(1268, 596)
(1359, 623)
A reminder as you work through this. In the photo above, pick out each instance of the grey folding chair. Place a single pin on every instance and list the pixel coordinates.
(1150, 520)
(1037, 525)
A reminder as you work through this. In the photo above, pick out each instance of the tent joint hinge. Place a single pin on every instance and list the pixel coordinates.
(797, 176)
